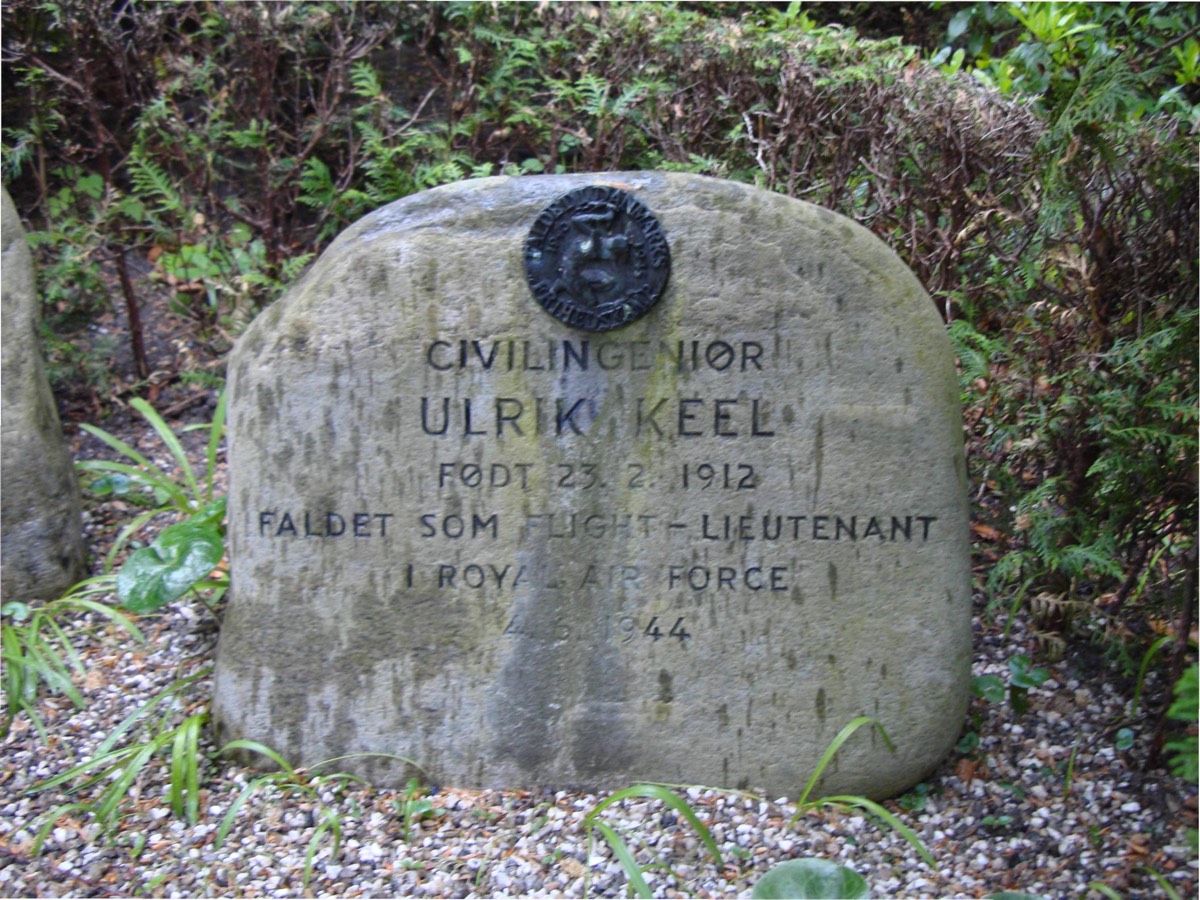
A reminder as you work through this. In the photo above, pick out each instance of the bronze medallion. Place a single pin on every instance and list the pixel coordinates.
(597, 259)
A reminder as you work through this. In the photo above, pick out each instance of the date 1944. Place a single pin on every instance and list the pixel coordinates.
(629, 628)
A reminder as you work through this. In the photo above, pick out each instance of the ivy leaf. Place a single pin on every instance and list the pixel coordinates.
(989, 687)
(1024, 675)
(166, 570)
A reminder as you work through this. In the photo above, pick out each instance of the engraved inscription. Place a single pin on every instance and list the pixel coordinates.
(735, 521)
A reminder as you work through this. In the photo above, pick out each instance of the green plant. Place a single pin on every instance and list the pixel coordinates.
(116, 764)
(809, 878)
(180, 559)
(820, 878)
(1040, 49)
(847, 801)
(1147, 659)
(635, 872)
(161, 490)
(183, 555)
(40, 653)
(1081, 374)
(1101, 888)
(308, 783)
(915, 799)
(414, 806)
(1022, 677)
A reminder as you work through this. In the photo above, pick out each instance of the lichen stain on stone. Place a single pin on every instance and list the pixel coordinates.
(295, 339)
(665, 692)
(265, 400)
(427, 281)
(378, 281)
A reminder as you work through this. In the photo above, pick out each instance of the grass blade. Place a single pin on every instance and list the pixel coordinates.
(1170, 891)
(110, 803)
(834, 746)
(112, 614)
(141, 712)
(621, 851)
(153, 478)
(887, 817)
(185, 771)
(262, 750)
(97, 584)
(123, 538)
(668, 798)
(65, 642)
(121, 447)
(1147, 658)
(235, 806)
(53, 673)
(329, 822)
(112, 760)
(52, 818)
(172, 442)
(326, 763)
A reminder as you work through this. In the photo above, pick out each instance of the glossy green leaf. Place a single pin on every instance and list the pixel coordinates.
(802, 879)
(167, 569)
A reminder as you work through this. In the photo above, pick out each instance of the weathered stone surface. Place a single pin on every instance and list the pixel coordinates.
(42, 551)
(686, 550)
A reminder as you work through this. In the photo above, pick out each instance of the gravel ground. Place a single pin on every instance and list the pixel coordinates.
(1046, 804)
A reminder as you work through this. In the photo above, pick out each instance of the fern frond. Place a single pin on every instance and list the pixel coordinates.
(151, 182)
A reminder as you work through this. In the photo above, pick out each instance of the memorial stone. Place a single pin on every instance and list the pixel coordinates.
(40, 520)
(580, 481)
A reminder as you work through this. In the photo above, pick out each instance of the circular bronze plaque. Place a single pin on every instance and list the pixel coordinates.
(597, 259)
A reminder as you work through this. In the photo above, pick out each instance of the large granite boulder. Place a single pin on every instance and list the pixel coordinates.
(522, 543)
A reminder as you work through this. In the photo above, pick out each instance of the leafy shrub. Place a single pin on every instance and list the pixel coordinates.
(1086, 413)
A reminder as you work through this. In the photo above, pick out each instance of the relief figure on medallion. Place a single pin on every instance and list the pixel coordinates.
(595, 260)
